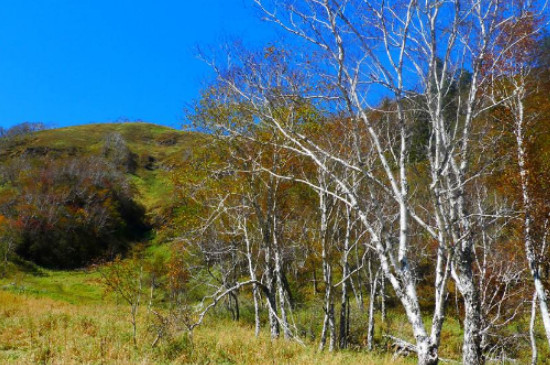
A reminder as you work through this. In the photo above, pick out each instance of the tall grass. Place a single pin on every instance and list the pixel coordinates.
(40, 330)
(57, 317)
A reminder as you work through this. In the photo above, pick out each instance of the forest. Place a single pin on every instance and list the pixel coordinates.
(373, 189)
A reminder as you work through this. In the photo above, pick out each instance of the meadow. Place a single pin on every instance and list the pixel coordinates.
(66, 318)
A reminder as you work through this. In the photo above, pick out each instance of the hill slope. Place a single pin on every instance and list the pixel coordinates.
(54, 167)
(157, 150)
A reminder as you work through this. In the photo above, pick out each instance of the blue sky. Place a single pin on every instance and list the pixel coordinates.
(67, 62)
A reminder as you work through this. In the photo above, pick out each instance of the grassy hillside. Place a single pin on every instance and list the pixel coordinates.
(157, 150)
(87, 191)
(88, 138)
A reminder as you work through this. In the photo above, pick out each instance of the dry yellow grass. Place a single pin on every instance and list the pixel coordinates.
(41, 330)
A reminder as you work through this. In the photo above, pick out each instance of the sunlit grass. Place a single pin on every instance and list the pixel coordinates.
(42, 330)
(69, 286)
(65, 317)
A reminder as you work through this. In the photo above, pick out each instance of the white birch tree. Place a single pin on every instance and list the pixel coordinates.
(432, 60)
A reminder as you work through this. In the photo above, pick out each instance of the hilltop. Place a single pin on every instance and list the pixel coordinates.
(156, 150)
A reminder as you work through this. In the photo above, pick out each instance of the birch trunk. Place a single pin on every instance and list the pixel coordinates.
(280, 285)
(270, 296)
(532, 338)
(344, 301)
(372, 299)
(528, 223)
(257, 323)
(344, 314)
(328, 323)
(382, 297)
(471, 347)
(358, 288)
(328, 327)
(252, 273)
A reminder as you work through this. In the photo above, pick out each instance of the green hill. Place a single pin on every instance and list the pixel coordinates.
(157, 149)
(145, 157)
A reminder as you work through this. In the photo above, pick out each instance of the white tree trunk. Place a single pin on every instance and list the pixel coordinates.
(280, 285)
(530, 250)
(270, 295)
(372, 299)
(252, 272)
(344, 300)
(328, 323)
(532, 338)
(471, 347)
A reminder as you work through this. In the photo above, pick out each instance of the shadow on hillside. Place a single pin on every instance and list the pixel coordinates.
(27, 267)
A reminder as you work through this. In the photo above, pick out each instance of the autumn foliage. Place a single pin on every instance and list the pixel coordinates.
(66, 212)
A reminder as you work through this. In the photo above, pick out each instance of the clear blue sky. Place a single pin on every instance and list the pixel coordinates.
(66, 62)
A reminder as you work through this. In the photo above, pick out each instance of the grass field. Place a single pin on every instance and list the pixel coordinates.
(65, 318)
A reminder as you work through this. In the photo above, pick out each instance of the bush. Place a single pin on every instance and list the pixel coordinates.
(65, 213)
